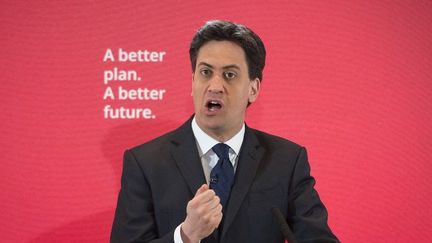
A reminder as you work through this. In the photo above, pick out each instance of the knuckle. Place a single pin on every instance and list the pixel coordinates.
(219, 208)
(206, 219)
(191, 204)
(200, 211)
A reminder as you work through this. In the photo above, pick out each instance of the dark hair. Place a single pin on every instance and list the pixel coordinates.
(219, 30)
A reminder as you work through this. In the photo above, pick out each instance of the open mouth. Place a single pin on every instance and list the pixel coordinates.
(213, 105)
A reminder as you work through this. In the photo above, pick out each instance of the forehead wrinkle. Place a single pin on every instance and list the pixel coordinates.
(205, 64)
(230, 66)
(215, 51)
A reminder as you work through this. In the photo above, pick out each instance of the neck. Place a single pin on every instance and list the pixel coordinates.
(220, 134)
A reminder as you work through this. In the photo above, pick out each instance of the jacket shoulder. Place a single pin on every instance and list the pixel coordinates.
(154, 145)
(273, 142)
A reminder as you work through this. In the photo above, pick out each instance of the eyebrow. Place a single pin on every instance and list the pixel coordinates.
(224, 67)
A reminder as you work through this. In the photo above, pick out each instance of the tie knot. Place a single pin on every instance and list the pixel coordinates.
(221, 150)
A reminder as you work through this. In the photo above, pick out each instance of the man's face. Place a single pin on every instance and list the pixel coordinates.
(221, 88)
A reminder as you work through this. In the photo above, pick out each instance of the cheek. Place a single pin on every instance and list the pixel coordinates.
(242, 98)
(194, 88)
(197, 94)
(197, 87)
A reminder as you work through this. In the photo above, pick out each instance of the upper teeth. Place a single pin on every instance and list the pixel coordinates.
(214, 102)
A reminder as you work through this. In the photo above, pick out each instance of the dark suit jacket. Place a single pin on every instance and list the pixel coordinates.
(161, 176)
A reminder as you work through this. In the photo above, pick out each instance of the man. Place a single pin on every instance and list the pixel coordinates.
(214, 179)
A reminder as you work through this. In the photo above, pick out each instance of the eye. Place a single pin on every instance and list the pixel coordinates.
(230, 75)
(205, 72)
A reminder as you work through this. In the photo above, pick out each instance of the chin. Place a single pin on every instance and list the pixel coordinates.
(210, 123)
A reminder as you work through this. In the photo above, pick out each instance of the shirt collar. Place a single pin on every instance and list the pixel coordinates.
(205, 142)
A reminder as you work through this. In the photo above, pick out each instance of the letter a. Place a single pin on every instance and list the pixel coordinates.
(108, 94)
(109, 55)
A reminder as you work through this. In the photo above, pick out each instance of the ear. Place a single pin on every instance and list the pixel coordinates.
(254, 89)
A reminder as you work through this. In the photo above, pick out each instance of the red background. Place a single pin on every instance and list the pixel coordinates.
(350, 80)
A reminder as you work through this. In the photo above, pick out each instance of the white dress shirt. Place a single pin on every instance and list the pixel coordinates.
(209, 158)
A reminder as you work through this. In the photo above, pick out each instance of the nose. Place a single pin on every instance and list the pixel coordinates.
(216, 84)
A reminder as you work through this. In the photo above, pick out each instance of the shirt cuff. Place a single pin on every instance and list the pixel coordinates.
(177, 235)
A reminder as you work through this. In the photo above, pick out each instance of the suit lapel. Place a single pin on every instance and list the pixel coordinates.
(185, 154)
(249, 158)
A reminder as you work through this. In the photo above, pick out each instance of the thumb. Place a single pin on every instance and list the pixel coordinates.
(203, 188)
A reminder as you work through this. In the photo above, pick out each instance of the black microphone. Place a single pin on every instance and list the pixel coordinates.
(284, 227)
(213, 179)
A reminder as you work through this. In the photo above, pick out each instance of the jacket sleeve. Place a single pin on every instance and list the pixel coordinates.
(306, 213)
(134, 219)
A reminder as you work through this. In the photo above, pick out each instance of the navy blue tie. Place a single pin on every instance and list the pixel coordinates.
(222, 175)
